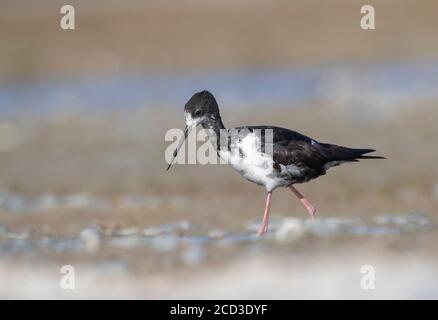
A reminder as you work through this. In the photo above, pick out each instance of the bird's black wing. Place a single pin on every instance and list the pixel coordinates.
(288, 147)
(291, 147)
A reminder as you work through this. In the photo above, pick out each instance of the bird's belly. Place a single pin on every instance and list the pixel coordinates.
(256, 174)
(259, 170)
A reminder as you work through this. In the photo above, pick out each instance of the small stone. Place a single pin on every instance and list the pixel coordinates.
(185, 225)
(90, 239)
(152, 231)
(290, 230)
(127, 231)
(165, 243)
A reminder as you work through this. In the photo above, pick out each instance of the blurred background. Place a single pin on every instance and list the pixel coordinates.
(84, 112)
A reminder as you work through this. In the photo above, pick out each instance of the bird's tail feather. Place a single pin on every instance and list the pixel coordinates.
(360, 154)
(339, 153)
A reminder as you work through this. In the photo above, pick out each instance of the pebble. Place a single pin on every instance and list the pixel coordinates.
(165, 242)
(128, 231)
(290, 230)
(90, 239)
(153, 231)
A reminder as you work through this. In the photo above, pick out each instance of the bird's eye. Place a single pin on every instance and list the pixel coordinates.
(198, 113)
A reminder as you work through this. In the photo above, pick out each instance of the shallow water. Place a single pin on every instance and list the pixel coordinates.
(195, 241)
(376, 85)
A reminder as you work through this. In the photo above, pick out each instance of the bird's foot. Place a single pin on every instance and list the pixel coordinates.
(310, 209)
(263, 229)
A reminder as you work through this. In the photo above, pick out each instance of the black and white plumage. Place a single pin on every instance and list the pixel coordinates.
(292, 157)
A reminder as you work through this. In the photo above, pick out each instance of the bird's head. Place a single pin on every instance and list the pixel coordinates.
(202, 109)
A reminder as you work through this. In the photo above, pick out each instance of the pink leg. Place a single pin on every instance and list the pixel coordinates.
(264, 227)
(311, 209)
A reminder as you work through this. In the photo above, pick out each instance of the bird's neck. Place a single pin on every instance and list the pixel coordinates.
(214, 123)
(214, 126)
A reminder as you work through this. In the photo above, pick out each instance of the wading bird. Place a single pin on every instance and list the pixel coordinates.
(293, 157)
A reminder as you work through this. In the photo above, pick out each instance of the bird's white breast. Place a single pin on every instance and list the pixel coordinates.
(247, 158)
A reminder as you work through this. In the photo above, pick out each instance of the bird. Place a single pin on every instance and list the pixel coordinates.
(269, 156)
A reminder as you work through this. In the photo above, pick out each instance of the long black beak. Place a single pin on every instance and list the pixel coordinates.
(180, 143)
